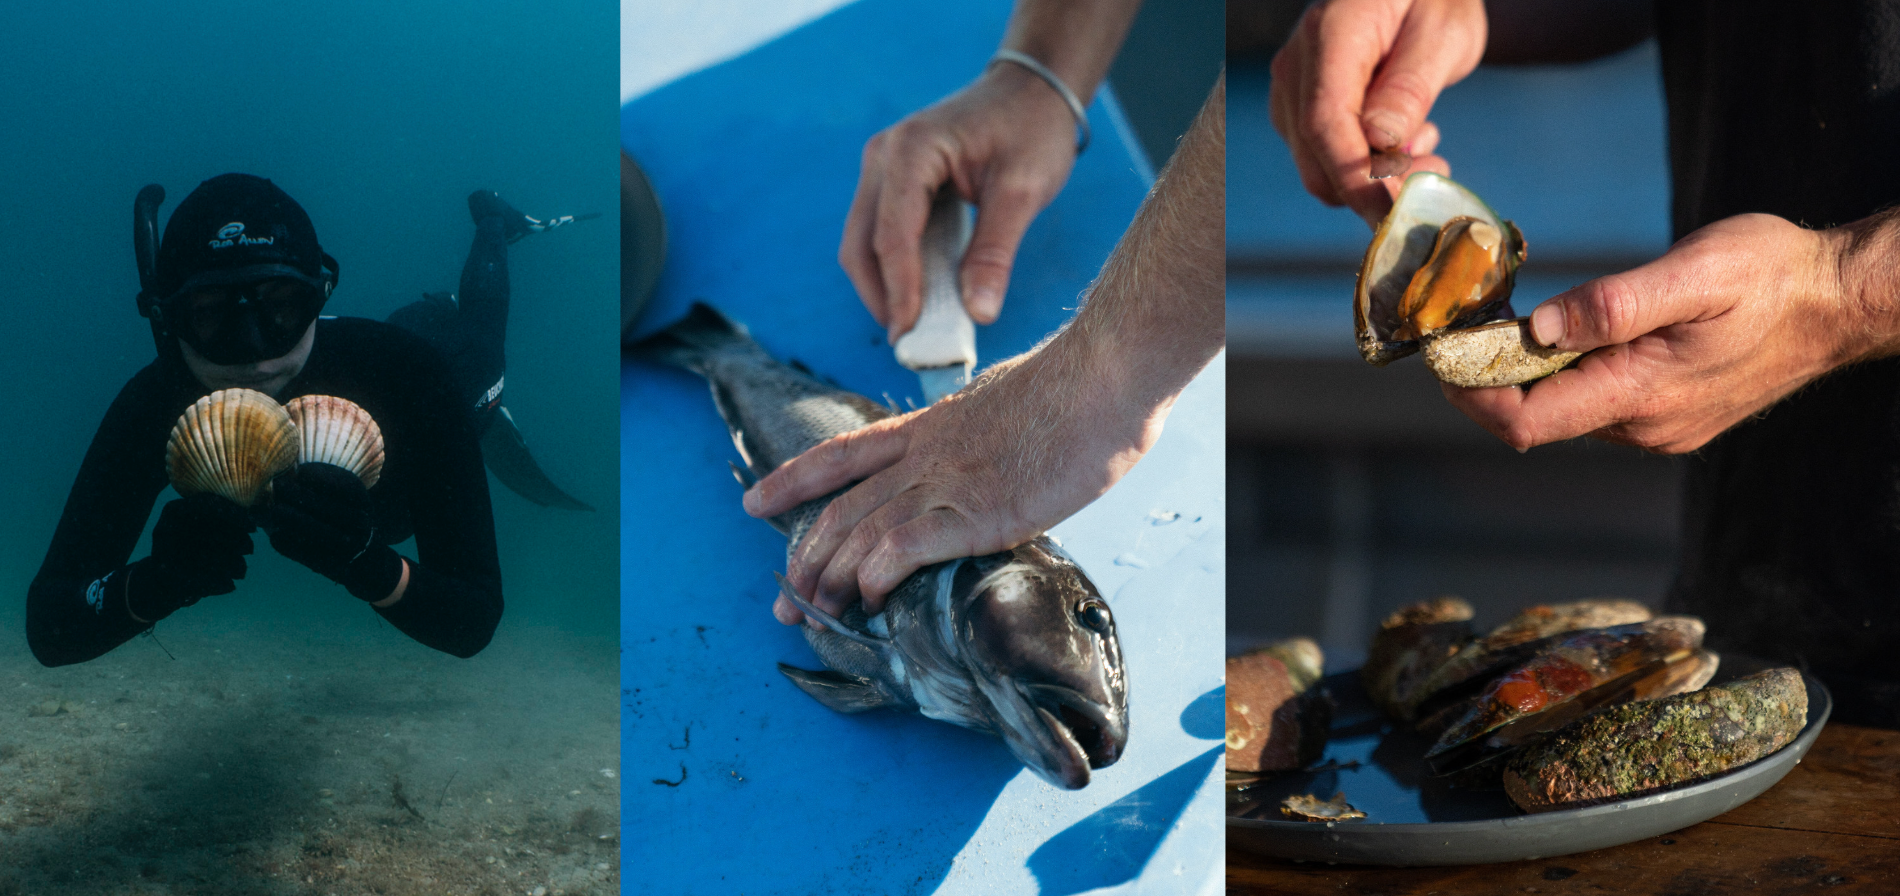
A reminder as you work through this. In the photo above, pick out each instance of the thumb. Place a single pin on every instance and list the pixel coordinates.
(1004, 211)
(1612, 310)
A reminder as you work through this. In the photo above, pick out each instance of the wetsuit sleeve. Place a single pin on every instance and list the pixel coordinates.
(75, 608)
(453, 602)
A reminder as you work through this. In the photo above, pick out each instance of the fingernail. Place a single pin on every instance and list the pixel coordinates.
(1547, 323)
(1382, 129)
(751, 501)
(783, 612)
(1524, 450)
(985, 303)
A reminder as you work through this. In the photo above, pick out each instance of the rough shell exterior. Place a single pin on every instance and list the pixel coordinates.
(1412, 643)
(230, 443)
(1642, 748)
(1276, 721)
(1495, 354)
(337, 431)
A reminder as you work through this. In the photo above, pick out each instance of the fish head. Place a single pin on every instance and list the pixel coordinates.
(1041, 647)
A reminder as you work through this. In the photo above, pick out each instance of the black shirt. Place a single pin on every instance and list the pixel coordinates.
(433, 486)
(1792, 519)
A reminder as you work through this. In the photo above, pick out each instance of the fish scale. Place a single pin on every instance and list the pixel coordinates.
(1017, 643)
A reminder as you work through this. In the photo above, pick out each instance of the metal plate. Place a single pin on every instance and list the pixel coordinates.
(1413, 819)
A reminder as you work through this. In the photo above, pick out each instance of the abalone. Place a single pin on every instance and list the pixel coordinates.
(1438, 277)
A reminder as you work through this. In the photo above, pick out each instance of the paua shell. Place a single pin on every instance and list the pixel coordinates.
(1411, 644)
(230, 443)
(1276, 719)
(1486, 345)
(337, 431)
(1521, 637)
(1642, 748)
(1585, 671)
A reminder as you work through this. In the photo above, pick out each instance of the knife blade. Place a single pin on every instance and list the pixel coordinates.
(941, 348)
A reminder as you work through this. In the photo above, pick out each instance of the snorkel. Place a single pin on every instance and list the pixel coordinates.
(145, 252)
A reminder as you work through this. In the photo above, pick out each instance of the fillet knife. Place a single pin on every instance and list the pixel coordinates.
(941, 348)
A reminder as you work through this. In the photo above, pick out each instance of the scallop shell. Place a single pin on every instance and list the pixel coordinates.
(338, 431)
(230, 443)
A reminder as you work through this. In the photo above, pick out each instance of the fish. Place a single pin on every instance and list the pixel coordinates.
(1017, 643)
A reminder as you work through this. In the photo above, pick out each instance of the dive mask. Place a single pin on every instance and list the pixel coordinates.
(245, 315)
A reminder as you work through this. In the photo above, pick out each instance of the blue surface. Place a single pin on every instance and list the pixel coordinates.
(765, 790)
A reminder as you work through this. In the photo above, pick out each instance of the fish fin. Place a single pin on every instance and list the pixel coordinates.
(823, 618)
(740, 473)
(691, 339)
(506, 454)
(891, 403)
(836, 690)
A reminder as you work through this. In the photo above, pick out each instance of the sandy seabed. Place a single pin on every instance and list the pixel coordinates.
(314, 751)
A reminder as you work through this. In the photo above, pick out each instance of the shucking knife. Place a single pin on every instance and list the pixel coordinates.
(941, 348)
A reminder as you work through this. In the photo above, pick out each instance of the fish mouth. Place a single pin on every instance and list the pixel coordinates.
(1085, 734)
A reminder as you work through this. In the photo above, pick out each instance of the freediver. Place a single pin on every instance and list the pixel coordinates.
(233, 294)
(469, 328)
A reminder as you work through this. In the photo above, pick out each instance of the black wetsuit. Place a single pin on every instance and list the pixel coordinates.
(433, 486)
(1792, 519)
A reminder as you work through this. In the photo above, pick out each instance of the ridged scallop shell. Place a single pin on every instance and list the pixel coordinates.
(230, 443)
(338, 431)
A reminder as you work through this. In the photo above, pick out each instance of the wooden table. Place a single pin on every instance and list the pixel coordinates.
(1831, 826)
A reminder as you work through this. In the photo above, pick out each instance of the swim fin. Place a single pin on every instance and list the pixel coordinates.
(506, 453)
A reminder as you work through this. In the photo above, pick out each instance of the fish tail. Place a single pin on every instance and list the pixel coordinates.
(691, 340)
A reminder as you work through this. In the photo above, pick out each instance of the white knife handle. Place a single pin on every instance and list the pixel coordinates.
(944, 335)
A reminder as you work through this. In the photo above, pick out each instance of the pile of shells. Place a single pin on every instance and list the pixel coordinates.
(1563, 704)
(234, 441)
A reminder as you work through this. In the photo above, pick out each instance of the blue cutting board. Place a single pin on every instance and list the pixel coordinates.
(734, 781)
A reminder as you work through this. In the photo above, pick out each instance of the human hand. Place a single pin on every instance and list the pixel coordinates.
(1006, 142)
(198, 548)
(1360, 75)
(1734, 317)
(981, 471)
(319, 515)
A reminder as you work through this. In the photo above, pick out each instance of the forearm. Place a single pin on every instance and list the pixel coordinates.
(452, 614)
(1076, 39)
(1156, 315)
(1524, 32)
(63, 626)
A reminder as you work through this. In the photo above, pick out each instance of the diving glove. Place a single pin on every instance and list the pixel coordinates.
(320, 516)
(198, 550)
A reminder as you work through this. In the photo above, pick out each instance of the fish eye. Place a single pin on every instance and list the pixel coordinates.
(1094, 615)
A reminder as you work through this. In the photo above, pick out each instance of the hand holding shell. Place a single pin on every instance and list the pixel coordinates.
(232, 442)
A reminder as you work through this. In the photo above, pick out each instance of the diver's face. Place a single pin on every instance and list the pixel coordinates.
(269, 376)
